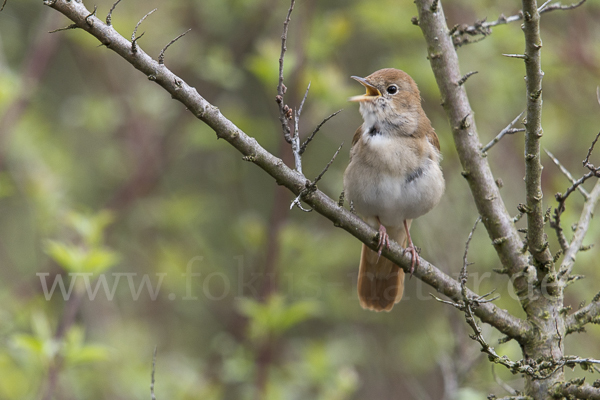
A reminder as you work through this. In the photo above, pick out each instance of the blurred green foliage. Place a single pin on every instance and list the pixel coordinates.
(198, 254)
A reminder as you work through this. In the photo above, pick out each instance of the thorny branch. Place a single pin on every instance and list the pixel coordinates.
(251, 149)
(592, 199)
(536, 240)
(476, 169)
(461, 33)
(580, 232)
(467, 304)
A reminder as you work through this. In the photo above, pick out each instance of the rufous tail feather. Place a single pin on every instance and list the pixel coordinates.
(380, 281)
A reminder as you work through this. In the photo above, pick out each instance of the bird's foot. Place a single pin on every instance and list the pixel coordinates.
(383, 241)
(415, 257)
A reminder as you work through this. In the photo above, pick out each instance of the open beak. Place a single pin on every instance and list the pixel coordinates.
(372, 91)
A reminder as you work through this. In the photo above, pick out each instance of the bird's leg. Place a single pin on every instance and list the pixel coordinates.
(413, 251)
(384, 239)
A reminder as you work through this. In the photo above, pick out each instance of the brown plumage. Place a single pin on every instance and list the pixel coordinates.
(380, 281)
(393, 177)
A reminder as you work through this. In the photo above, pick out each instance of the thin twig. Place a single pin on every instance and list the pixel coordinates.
(483, 27)
(312, 135)
(284, 110)
(586, 161)
(468, 303)
(465, 77)
(522, 56)
(109, 16)
(558, 6)
(3, 4)
(580, 231)
(133, 37)
(543, 6)
(311, 186)
(566, 172)
(296, 135)
(66, 28)
(318, 178)
(152, 396)
(463, 272)
(506, 131)
(161, 56)
(501, 383)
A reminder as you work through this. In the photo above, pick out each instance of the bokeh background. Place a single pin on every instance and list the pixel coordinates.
(105, 178)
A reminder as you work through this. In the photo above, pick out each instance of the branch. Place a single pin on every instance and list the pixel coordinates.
(495, 217)
(506, 131)
(312, 135)
(483, 27)
(296, 147)
(285, 113)
(161, 56)
(152, 396)
(574, 391)
(588, 314)
(538, 246)
(295, 182)
(580, 232)
(555, 223)
(566, 172)
(467, 304)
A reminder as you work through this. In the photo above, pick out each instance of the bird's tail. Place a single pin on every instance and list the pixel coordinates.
(380, 281)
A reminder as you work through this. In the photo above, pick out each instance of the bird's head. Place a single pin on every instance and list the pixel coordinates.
(391, 94)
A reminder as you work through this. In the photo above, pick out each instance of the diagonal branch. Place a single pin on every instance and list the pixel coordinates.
(574, 391)
(509, 130)
(566, 172)
(295, 182)
(495, 217)
(588, 314)
(580, 232)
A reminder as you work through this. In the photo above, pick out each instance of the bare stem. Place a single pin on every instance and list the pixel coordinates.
(506, 131)
(580, 231)
(284, 110)
(537, 244)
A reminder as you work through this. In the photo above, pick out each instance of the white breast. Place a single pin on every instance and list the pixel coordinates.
(408, 190)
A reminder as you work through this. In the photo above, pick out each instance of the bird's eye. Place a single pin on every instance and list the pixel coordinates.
(392, 89)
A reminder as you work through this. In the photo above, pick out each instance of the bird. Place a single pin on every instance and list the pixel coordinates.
(393, 177)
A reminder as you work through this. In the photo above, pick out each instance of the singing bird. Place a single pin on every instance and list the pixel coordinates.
(393, 177)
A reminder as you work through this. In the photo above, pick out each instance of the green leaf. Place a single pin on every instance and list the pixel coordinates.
(70, 257)
(90, 227)
(274, 317)
(99, 260)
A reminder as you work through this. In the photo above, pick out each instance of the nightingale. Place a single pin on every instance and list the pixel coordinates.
(393, 177)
